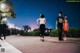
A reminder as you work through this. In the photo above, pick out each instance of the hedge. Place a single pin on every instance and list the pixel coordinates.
(73, 32)
(33, 33)
(54, 33)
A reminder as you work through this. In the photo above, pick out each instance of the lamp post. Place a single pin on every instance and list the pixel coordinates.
(6, 9)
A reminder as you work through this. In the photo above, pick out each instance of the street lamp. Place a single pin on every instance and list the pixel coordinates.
(6, 6)
(3, 5)
(6, 10)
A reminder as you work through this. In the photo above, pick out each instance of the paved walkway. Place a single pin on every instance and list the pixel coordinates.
(27, 44)
(8, 48)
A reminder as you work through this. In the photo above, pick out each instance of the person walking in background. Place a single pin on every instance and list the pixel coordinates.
(0, 27)
(59, 26)
(1, 31)
(65, 27)
(42, 22)
(3, 28)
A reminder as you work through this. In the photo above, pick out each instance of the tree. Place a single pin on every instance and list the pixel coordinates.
(6, 9)
(26, 28)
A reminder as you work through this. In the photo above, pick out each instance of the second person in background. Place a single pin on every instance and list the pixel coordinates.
(65, 27)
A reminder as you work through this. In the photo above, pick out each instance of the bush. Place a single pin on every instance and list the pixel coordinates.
(36, 33)
(33, 33)
(47, 33)
(73, 32)
(54, 33)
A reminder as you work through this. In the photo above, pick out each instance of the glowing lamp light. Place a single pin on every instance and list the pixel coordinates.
(3, 6)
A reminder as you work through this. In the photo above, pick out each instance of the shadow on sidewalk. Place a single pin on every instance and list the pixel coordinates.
(65, 41)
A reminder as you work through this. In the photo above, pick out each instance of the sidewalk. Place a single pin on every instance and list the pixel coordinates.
(32, 44)
(8, 48)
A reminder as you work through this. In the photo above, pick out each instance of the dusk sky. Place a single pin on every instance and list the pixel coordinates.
(27, 11)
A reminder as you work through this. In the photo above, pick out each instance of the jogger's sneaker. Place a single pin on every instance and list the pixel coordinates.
(43, 40)
(65, 38)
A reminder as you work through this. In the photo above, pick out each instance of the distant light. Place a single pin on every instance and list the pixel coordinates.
(32, 29)
(17, 28)
(10, 25)
(29, 30)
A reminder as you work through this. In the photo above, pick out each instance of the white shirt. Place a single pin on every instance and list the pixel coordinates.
(41, 20)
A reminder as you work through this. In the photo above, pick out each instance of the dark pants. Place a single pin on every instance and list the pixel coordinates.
(60, 30)
(42, 30)
(3, 30)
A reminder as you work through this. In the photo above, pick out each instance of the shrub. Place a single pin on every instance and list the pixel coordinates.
(33, 33)
(54, 33)
(47, 33)
(73, 32)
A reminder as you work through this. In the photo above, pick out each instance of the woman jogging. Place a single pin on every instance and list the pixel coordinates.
(42, 22)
